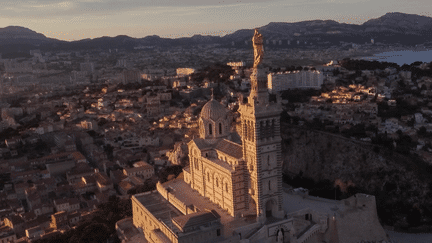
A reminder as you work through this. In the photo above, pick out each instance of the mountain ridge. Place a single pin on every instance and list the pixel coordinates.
(394, 27)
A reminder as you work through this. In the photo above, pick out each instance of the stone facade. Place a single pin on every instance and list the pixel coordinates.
(261, 142)
(242, 178)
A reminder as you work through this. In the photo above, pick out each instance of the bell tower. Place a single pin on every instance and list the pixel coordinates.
(261, 141)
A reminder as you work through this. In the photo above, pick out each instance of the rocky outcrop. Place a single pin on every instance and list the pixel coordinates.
(347, 162)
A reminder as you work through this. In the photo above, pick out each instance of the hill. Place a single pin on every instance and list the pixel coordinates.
(332, 165)
(391, 28)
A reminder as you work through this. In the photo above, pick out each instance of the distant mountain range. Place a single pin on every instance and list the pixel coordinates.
(391, 28)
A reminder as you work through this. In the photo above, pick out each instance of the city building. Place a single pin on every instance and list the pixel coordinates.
(87, 67)
(34, 233)
(131, 76)
(295, 80)
(67, 204)
(184, 71)
(13, 66)
(59, 220)
(140, 169)
(7, 234)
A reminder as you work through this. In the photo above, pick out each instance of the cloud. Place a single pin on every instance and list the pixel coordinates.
(15, 9)
(66, 5)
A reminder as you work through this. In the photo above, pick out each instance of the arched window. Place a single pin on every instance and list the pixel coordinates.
(208, 176)
(220, 128)
(261, 127)
(269, 184)
(267, 129)
(210, 129)
(272, 129)
(196, 164)
(217, 182)
(268, 160)
(245, 132)
(252, 129)
(226, 187)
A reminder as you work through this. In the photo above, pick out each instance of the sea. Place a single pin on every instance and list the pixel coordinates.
(402, 57)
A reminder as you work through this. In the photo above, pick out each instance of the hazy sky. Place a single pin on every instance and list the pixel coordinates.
(78, 19)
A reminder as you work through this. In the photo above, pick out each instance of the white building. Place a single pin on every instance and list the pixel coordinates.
(294, 80)
(185, 71)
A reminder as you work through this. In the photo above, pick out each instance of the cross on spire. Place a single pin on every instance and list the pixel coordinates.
(212, 95)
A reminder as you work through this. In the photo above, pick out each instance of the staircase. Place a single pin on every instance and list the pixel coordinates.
(308, 233)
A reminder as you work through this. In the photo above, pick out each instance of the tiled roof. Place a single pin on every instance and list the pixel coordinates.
(6, 230)
(136, 169)
(34, 230)
(125, 185)
(88, 179)
(136, 180)
(194, 219)
(102, 178)
(101, 197)
(15, 219)
(78, 156)
(81, 168)
(142, 164)
(21, 185)
(117, 175)
(74, 215)
(59, 214)
(49, 181)
(54, 157)
(201, 143)
(70, 201)
(230, 148)
(28, 216)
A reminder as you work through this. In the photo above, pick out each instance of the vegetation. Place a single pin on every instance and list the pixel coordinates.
(401, 187)
(352, 64)
(218, 73)
(100, 226)
(299, 95)
(170, 170)
(149, 185)
(359, 65)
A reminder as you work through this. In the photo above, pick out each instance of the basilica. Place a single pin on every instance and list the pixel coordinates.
(232, 190)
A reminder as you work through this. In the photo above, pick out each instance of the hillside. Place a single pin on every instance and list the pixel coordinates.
(391, 28)
(402, 185)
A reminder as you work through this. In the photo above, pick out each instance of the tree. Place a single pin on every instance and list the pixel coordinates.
(336, 71)
(95, 232)
(173, 169)
(414, 217)
(422, 131)
(109, 151)
(102, 122)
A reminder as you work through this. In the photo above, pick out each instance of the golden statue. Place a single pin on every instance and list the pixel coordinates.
(257, 41)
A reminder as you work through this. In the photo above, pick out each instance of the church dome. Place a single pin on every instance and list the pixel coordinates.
(213, 110)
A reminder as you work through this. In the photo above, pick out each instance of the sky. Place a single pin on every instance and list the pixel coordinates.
(80, 19)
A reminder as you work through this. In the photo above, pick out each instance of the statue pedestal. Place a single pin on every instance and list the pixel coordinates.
(259, 91)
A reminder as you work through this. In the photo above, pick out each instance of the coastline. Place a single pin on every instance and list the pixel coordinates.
(400, 55)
